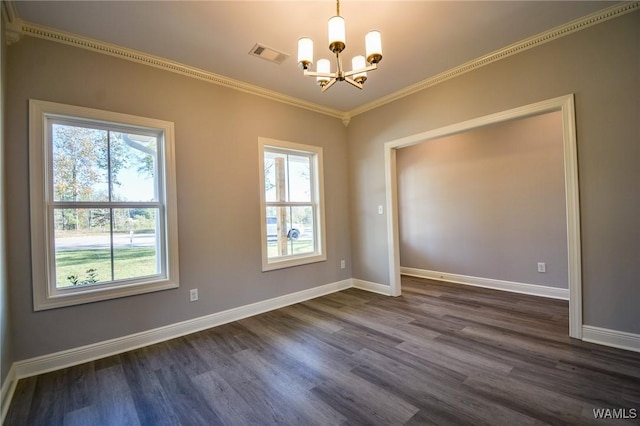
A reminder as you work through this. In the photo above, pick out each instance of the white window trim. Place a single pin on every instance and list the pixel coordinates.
(319, 222)
(45, 296)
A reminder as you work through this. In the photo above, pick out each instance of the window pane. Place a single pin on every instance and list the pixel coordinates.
(290, 231)
(134, 160)
(82, 246)
(272, 224)
(277, 220)
(302, 235)
(299, 178)
(278, 223)
(79, 163)
(275, 176)
(135, 243)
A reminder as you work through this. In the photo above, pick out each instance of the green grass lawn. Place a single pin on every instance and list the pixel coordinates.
(128, 263)
(295, 247)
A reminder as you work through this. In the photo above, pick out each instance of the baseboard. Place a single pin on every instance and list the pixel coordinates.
(613, 338)
(372, 287)
(75, 356)
(515, 287)
(6, 394)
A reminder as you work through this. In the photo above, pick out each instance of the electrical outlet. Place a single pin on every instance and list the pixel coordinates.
(342, 264)
(380, 209)
(193, 295)
(542, 267)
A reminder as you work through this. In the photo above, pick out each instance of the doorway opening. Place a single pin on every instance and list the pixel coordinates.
(565, 105)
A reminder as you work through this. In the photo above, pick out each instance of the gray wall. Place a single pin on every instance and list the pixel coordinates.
(601, 65)
(487, 203)
(6, 354)
(217, 132)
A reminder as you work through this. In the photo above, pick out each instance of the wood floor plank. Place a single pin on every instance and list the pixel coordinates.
(275, 351)
(274, 374)
(23, 399)
(542, 404)
(318, 357)
(496, 350)
(429, 395)
(465, 363)
(363, 402)
(354, 338)
(593, 390)
(188, 404)
(275, 398)
(440, 354)
(293, 391)
(313, 319)
(534, 346)
(267, 400)
(153, 404)
(87, 415)
(395, 330)
(49, 404)
(115, 404)
(230, 406)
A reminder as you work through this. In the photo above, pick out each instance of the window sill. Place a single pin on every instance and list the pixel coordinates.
(87, 295)
(292, 261)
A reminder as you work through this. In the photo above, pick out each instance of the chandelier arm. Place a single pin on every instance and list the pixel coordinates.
(369, 68)
(329, 84)
(320, 74)
(353, 82)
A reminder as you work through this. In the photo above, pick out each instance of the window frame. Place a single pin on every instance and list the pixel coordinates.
(46, 295)
(317, 200)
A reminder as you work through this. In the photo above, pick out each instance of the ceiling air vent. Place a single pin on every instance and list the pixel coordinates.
(267, 53)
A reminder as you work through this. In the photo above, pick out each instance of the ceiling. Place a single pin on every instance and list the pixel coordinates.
(419, 38)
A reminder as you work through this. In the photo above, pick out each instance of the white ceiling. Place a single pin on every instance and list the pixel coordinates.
(420, 38)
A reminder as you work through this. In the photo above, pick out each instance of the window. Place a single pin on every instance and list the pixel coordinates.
(103, 210)
(292, 204)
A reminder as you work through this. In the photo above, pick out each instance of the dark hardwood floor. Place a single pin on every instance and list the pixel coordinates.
(439, 354)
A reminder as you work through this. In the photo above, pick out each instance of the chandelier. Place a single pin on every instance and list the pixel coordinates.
(337, 43)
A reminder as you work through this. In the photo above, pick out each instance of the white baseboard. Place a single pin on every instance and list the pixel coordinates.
(535, 290)
(372, 287)
(75, 356)
(6, 394)
(613, 338)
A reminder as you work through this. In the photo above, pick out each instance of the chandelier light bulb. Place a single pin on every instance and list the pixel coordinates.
(357, 63)
(305, 53)
(373, 42)
(323, 66)
(337, 34)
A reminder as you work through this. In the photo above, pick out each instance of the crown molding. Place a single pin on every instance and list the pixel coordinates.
(43, 32)
(11, 22)
(16, 28)
(534, 41)
(9, 12)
